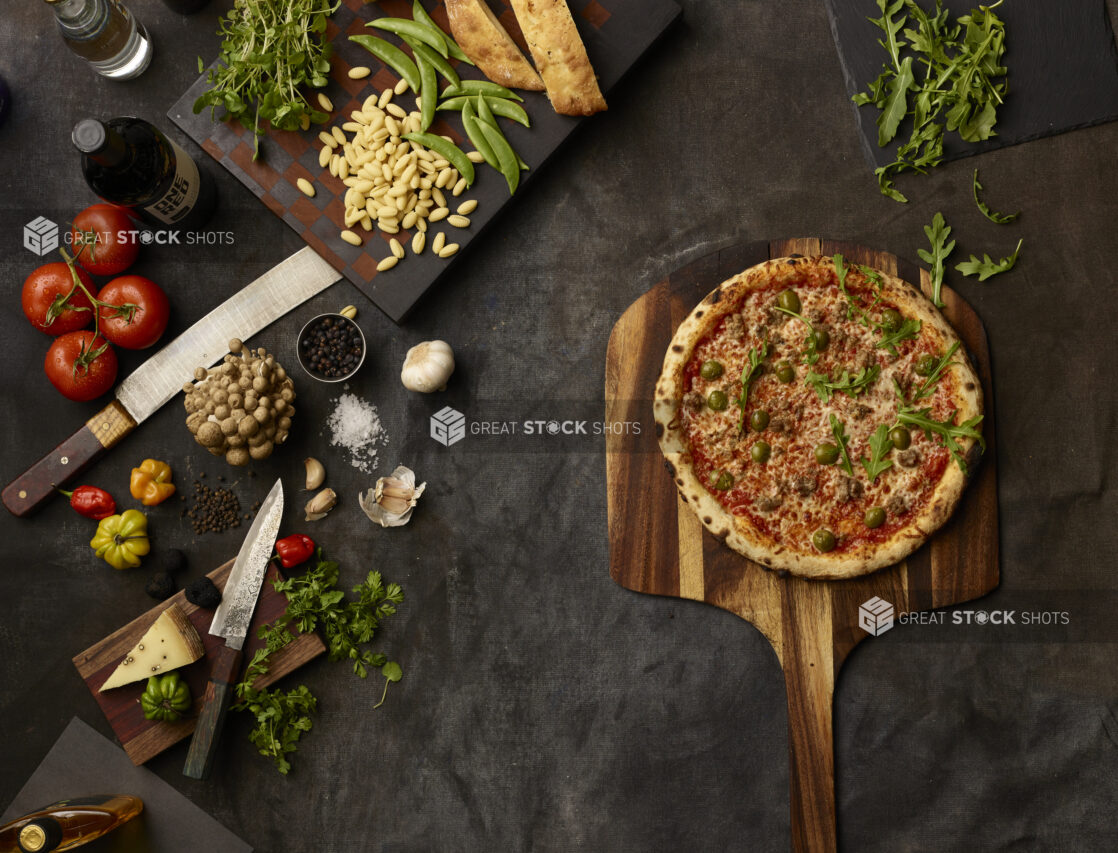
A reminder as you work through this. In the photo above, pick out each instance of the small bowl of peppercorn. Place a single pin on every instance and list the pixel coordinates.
(331, 347)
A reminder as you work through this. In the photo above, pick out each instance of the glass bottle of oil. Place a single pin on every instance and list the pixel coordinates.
(104, 34)
(68, 824)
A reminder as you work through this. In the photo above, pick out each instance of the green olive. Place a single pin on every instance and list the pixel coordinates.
(724, 482)
(900, 437)
(760, 452)
(826, 453)
(821, 339)
(823, 540)
(717, 400)
(891, 319)
(926, 364)
(785, 372)
(710, 370)
(789, 301)
(759, 420)
(875, 517)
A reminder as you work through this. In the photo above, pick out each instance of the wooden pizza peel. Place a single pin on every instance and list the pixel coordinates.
(659, 546)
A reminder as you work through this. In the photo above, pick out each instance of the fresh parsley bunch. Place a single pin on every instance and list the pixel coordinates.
(941, 75)
(269, 49)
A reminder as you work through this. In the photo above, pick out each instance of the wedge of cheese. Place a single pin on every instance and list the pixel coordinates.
(560, 56)
(169, 643)
(488, 44)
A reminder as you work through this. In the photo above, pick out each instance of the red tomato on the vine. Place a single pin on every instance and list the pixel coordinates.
(102, 239)
(133, 328)
(48, 285)
(81, 366)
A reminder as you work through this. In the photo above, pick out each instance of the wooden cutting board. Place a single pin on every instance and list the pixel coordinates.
(616, 34)
(659, 546)
(143, 739)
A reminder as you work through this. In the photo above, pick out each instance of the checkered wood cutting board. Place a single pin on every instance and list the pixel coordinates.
(616, 33)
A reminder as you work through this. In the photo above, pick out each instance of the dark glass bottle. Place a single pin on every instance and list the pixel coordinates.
(69, 824)
(129, 162)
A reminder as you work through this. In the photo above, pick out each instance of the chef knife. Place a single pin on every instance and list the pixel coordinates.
(231, 621)
(158, 379)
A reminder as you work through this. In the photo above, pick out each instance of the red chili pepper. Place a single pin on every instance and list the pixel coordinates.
(91, 502)
(294, 549)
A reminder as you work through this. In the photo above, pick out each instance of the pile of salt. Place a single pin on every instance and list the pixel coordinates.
(355, 425)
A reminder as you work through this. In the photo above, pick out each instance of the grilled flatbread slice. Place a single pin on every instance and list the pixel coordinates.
(488, 44)
(560, 56)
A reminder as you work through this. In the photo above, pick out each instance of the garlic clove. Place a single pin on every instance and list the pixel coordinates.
(318, 506)
(391, 501)
(316, 473)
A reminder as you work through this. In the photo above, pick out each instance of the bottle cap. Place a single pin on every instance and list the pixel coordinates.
(89, 136)
(40, 836)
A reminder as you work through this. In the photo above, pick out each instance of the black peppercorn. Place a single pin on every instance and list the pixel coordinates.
(332, 347)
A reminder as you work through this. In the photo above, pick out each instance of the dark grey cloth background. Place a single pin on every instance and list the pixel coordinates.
(542, 707)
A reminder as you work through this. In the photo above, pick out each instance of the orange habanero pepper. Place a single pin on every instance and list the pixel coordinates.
(151, 482)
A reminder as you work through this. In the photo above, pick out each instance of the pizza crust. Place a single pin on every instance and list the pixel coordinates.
(737, 532)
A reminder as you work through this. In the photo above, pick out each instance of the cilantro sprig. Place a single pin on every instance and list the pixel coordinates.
(748, 374)
(992, 215)
(838, 430)
(988, 267)
(314, 602)
(847, 383)
(937, 234)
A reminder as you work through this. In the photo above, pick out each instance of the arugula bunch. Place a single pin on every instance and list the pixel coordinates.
(314, 601)
(940, 75)
(948, 431)
(269, 49)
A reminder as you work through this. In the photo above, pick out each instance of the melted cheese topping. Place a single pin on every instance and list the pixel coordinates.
(791, 495)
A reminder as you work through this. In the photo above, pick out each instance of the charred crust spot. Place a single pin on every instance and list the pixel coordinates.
(722, 534)
(670, 467)
(707, 520)
(679, 482)
(698, 314)
(969, 386)
(715, 296)
(659, 429)
(677, 347)
(783, 573)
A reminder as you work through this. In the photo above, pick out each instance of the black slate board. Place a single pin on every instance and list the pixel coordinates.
(1063, 69)
(616, 33)
(82, 763)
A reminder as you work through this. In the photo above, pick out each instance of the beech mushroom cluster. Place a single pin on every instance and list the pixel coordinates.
(240, 409)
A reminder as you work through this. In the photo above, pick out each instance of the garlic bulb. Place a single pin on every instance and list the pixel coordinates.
(428, 366)
(320, 504)
(391, 501)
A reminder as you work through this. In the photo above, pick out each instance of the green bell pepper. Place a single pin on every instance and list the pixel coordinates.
(165, 698)
(121, 540)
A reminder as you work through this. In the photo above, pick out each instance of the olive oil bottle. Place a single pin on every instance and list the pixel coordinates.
(68, 824)
(104, 34)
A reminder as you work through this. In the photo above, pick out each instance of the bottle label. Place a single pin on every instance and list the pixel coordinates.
(181, 196)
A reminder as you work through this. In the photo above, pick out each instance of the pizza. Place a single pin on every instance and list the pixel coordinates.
(819, 416)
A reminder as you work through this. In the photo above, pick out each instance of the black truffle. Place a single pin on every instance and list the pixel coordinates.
(160, 586)
(203, 593)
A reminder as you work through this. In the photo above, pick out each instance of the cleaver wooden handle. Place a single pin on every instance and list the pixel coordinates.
(36, 486)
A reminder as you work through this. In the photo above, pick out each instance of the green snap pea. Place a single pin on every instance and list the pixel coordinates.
(432, 36)
(391, 56)
(507, 109)
(420, 14)
(429, 89)
(481, 87)
(453, 154)
(470, 122)
(506, 157)
(435, 61)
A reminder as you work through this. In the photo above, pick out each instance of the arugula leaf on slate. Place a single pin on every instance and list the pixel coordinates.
(988, 267)
(992, 215)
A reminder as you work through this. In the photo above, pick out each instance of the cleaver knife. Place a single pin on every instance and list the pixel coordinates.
(157, 380)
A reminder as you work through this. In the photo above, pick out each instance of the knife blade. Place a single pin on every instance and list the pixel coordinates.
(157, 380)
(231, 621)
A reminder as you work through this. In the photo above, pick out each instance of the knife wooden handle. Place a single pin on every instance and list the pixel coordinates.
(37, 485)
(219, 693)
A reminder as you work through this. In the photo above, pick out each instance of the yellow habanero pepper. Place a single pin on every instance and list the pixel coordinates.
(121, 540)
(151, 482)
